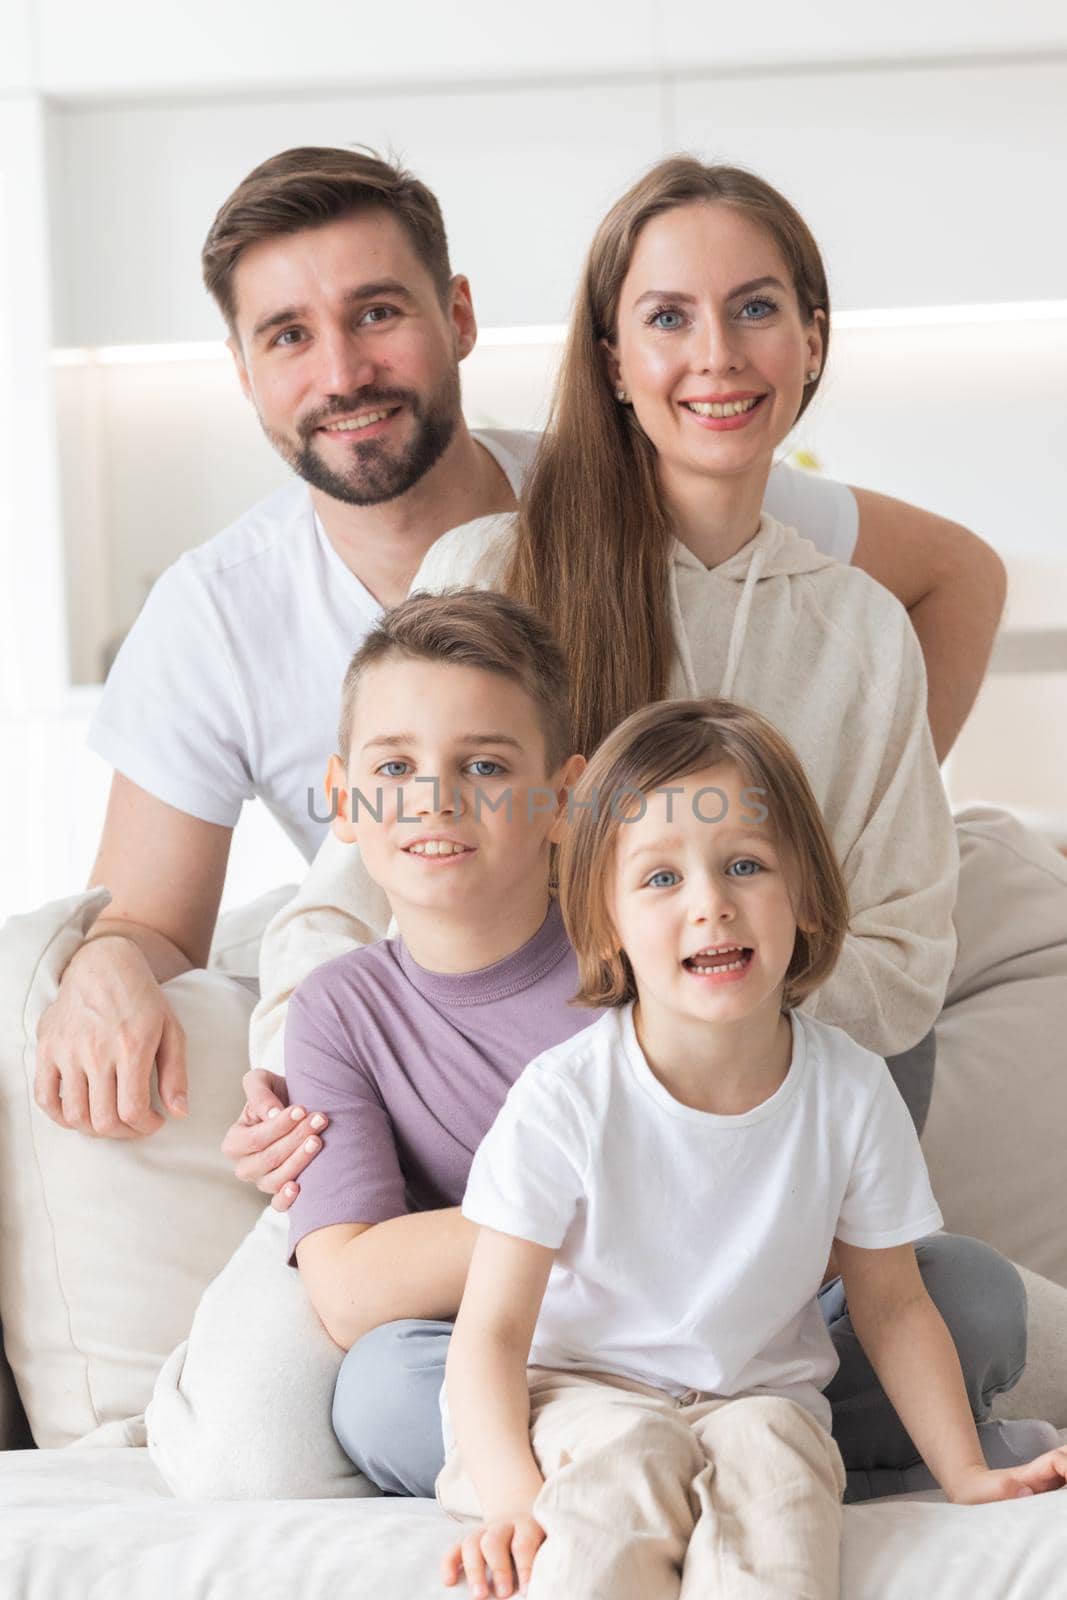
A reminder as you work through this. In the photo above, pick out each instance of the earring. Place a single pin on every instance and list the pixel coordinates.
(621, 395)
(813, 374)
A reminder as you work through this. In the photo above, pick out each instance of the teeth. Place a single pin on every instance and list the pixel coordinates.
(708, 961)
(436, 847)
(352, 423)
(730, 408)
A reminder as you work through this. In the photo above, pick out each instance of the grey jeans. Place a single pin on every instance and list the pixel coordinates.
(386, 1414)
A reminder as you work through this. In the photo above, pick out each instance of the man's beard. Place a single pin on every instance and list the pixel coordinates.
(375, 474)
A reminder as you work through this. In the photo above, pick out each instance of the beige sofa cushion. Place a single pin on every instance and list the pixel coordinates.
(996, 1135)
(106, 1246)
(241, 1410)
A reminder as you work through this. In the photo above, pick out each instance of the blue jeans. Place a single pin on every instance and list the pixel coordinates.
(386, 1414)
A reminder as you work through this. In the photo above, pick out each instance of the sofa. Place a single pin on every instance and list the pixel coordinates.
(145, 1298)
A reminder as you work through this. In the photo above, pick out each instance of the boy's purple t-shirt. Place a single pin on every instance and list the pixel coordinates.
(411, 1067)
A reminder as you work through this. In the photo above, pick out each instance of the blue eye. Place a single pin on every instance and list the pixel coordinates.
(655, 882)
(762, 305)
(747, 862)
(658, 319)
(483, 761)
(284, 339)
(386, 773)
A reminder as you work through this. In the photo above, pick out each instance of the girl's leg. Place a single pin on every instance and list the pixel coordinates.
(616, 1507)
(769, 1504)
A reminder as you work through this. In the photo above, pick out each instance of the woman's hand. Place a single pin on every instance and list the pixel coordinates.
(505, 1547)
(272, 1143)
(1039, 1476)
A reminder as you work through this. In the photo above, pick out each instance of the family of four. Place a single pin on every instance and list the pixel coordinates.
(595, 1167)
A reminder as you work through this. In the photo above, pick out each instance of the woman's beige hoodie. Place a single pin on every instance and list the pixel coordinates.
(828, 656)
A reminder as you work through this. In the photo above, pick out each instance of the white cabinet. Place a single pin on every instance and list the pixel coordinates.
(783, 33)
(930, 186)
(125, 46)
(523, 175)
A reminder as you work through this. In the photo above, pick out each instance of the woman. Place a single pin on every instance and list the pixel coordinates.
(699, 336)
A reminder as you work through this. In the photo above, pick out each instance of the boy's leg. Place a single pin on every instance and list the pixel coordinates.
(618, 1460)
(386, 1406)
(982, 1299)
(769, 1499)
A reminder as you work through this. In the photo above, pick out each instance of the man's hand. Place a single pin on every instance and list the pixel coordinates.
(272, 1142)
(99, 1040)
(1039, 1476)
(507, 1547)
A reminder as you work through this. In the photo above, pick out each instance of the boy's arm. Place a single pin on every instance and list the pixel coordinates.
(359, 1275)
(910, 1348)
(485, 1373)
(953, 585)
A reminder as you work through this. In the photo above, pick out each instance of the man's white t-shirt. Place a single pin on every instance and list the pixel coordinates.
(691, 1246)
(228, 685)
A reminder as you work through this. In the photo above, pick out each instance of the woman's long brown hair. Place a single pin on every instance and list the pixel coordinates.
(593, 547)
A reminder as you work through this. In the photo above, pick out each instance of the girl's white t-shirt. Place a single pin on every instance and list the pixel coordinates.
(228, 685)
(691, 1246)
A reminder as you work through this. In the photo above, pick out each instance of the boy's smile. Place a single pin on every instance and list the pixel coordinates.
(448, 798)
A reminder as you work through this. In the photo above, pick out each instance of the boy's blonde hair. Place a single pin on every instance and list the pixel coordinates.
(666, 741)
(471, 628)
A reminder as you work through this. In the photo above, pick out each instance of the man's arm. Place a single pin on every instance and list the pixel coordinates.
(359, 1275)
(953, 586)
(110, 1023)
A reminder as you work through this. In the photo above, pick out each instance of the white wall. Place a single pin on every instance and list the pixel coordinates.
(33, 663)
(16, 57)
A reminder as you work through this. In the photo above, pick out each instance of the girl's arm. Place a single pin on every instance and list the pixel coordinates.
(485, 1374)
(911, 1350)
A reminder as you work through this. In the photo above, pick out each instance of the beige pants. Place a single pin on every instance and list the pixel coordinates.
(651, 1498)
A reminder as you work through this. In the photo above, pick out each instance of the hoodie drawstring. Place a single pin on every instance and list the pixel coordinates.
(681, 638)
(737, 632)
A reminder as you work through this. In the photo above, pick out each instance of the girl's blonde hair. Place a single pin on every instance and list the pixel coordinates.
(593, 546)
(655, 747)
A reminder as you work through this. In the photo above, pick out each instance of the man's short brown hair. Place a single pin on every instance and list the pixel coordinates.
(471, 628)
(308, 187)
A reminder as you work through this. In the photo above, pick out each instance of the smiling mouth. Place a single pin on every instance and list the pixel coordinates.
(438, 847)
(364, 419)
(727, 408)
(733, 959)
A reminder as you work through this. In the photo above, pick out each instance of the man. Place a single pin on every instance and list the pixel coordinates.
(347, 327)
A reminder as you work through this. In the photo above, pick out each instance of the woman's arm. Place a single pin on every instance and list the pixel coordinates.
(953, 586)
(910, 1348)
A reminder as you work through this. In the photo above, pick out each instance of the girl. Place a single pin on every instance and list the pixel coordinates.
(657, 1199)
